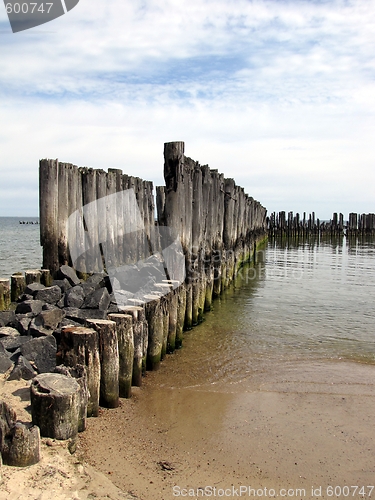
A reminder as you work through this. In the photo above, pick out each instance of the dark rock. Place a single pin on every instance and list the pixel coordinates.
(154, 272)
(6, 331)
(99, 299)
(74, 297)
(11, 344)
(7, 318)
(112, 309)
(38, 330)
(88, 288)
(49, 307)
(97, 280)
(70, 274)
(23, 370)
(30, 306)
(120, 297)
(49, 318)
(51, 294)
(22, 322)
(33, 288)
(5, 363)
(24, 296)
(42, 352)
(3, 350)
(61, 302)
(14, 357)
(81, 315)
(69, 322)
(63, 284)
(128, 278)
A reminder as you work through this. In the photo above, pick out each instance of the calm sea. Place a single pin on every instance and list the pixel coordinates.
(313, 299)
(300, 301)
(19, 245)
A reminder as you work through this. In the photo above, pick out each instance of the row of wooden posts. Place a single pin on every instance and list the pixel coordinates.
(215, 221)
(11, 289)
(290, 224)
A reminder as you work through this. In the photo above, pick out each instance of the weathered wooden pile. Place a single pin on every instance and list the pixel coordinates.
(78, 350)
(84, 339)
(209, 221)
(217, 222)
(290, 224)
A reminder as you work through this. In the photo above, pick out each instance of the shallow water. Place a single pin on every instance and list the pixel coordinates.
(274, 389)
(20, 249)
(306, 301)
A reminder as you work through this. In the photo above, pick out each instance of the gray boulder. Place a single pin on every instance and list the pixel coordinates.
(41, 352)
(33, 288)
(6, 331)
(70, 274)
(22, 322)
(12, 343)
(99, 299)
(81, 315)
(49, 318)
(64, 284)
(7, 318)
(74, 297)
(6, 365)
(30, 306)
(50, 294)
(23, 370)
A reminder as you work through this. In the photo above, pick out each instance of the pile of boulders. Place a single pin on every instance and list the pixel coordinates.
(29, 334)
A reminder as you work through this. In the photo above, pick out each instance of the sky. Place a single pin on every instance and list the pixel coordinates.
(279, 95)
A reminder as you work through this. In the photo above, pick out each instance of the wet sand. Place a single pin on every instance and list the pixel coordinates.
(298, 425)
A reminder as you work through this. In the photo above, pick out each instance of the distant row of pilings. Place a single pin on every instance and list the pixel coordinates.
(290, 224)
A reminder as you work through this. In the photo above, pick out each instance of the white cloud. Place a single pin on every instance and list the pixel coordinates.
(266, 92)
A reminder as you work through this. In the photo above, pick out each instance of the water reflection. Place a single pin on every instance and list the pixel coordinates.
(300, 300)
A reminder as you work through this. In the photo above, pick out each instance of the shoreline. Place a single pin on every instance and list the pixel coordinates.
(297, 430)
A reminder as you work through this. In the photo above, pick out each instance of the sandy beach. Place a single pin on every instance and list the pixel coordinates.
(301, 433)
(309, 428)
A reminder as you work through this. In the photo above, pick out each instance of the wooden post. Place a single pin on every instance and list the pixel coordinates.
(55, 403)
(79, 373)
(48, 210)
(90, 212)
(181, 310)
(18, 285)
(33, 276)
(172, 327)
(124, 326)
(137, 313)
(154, 316)
(64, 176)
(109, 361)
(80, 345)
(46, 278)
(4, 294)
(22, 447)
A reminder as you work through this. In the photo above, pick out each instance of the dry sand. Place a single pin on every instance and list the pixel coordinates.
(59, 475)
(309, 425)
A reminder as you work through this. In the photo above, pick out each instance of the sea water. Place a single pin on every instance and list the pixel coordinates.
(20, 249)
(311, 300)
(301, 299)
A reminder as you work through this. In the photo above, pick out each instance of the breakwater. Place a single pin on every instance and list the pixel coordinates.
(140, 283)
(290, 224)
(105, 221)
